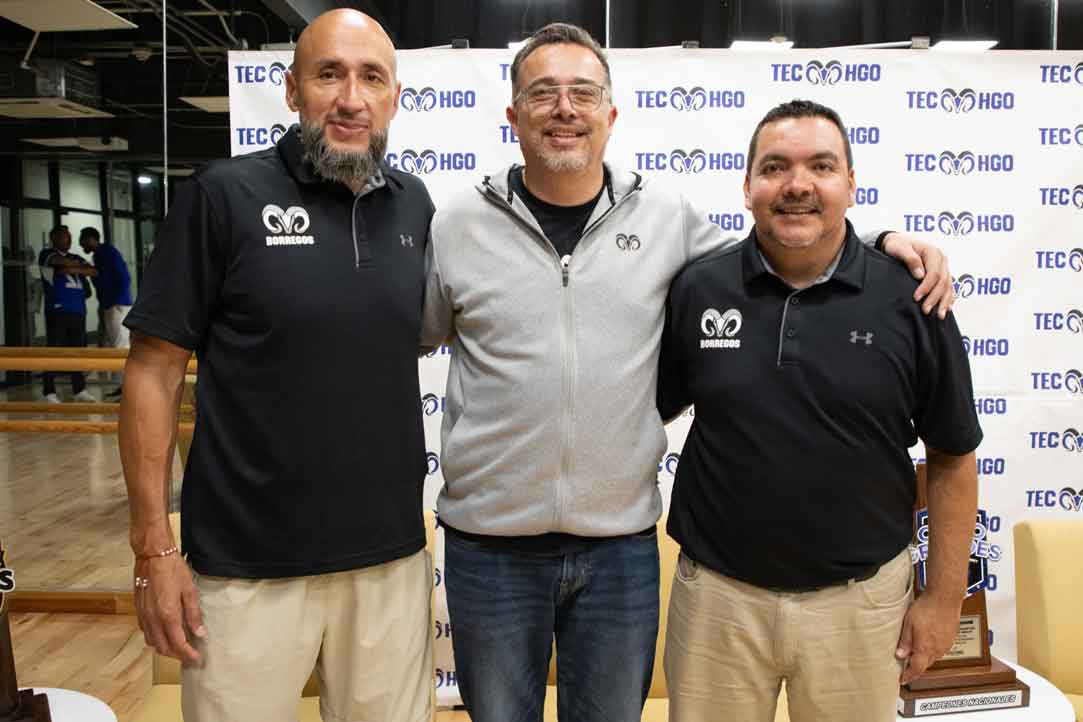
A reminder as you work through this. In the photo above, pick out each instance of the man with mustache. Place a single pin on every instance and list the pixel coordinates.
(552, 277)
(812, 374)
(296, 274)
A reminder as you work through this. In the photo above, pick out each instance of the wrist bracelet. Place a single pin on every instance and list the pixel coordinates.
(156, 555)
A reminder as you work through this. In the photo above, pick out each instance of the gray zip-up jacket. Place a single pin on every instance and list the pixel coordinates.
(550, 423)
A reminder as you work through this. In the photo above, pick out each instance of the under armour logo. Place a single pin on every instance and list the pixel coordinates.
(867, 338)
(406, 240)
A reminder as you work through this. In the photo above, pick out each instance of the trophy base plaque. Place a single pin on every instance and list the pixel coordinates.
(963, 689)
(32, 707)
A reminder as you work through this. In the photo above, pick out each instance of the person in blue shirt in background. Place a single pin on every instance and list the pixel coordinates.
(114, 286)
(64, 277)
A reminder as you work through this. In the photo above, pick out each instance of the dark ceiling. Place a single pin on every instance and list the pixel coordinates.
(127, 64)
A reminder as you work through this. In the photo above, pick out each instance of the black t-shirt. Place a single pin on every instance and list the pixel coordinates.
(796, 472)
(563, 225)
(303, 305)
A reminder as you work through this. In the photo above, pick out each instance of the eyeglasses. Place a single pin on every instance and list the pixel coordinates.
(584, 97)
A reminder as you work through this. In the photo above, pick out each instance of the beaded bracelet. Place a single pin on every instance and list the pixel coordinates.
(156, 555)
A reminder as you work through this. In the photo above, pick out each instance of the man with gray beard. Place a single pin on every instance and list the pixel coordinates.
(296, 274)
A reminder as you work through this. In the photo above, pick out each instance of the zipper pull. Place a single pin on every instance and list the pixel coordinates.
(564, 263)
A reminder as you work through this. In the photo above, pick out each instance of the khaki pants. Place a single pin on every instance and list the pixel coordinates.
(367, 633)
(729, 646)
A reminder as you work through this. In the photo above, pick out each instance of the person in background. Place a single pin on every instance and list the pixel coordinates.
(114, 286)
(64, 278)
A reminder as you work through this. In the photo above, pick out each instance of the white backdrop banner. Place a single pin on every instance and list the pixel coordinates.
(982, 154)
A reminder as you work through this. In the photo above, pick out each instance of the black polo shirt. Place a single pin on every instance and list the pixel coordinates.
(796, 473)
(303, 305)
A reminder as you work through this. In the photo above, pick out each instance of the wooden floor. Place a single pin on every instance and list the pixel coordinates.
(100, 654)
(64, 528)
(63, 507)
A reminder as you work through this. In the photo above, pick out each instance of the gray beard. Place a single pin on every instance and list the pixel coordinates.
(564, 164)
(558, 162)
(342, 166)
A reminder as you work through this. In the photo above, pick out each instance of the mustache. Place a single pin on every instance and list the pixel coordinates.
(794, 202)
(338, 118)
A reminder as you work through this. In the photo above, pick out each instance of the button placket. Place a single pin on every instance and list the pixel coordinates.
(787, 333)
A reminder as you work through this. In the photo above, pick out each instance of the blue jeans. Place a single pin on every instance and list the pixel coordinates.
(506, 608)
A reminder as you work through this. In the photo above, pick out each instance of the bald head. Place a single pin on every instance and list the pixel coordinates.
(344, 88)
(353, 26)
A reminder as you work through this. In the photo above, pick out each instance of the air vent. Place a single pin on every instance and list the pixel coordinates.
(53, 89)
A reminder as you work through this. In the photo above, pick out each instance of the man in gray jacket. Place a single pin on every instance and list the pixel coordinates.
(552, 278)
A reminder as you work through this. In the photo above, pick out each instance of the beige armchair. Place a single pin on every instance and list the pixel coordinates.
(1048, 591)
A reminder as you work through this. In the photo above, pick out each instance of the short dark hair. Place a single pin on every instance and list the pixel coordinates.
(555, 33)
(800, 109)
(57, 230)
(90, 231)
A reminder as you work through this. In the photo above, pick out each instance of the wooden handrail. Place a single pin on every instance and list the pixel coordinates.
(72, 409)
(70, 427)
(56, 363)
(64, 358)
(42, 407)
(62, 352)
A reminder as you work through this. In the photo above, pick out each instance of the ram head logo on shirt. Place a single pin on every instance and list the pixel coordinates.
(716, 325)
(286, 222)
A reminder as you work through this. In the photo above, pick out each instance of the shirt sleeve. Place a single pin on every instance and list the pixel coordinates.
(99, 282)
(875, 239)
(44, 267)
(123, 277)
(700, 235)
(945, 417)
(437, 317)
(672, 394)
(184, 275)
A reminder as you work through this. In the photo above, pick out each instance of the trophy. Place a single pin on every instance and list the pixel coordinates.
(967, 678)
(15, 706)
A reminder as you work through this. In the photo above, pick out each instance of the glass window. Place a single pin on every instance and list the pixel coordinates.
(149, 187)
(36, 179)
(120, 189)
(5, 231)
(148, 229)
(36, 224)
(124, 241)
(79, 185)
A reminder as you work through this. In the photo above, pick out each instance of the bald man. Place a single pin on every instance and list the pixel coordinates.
(296, 276)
